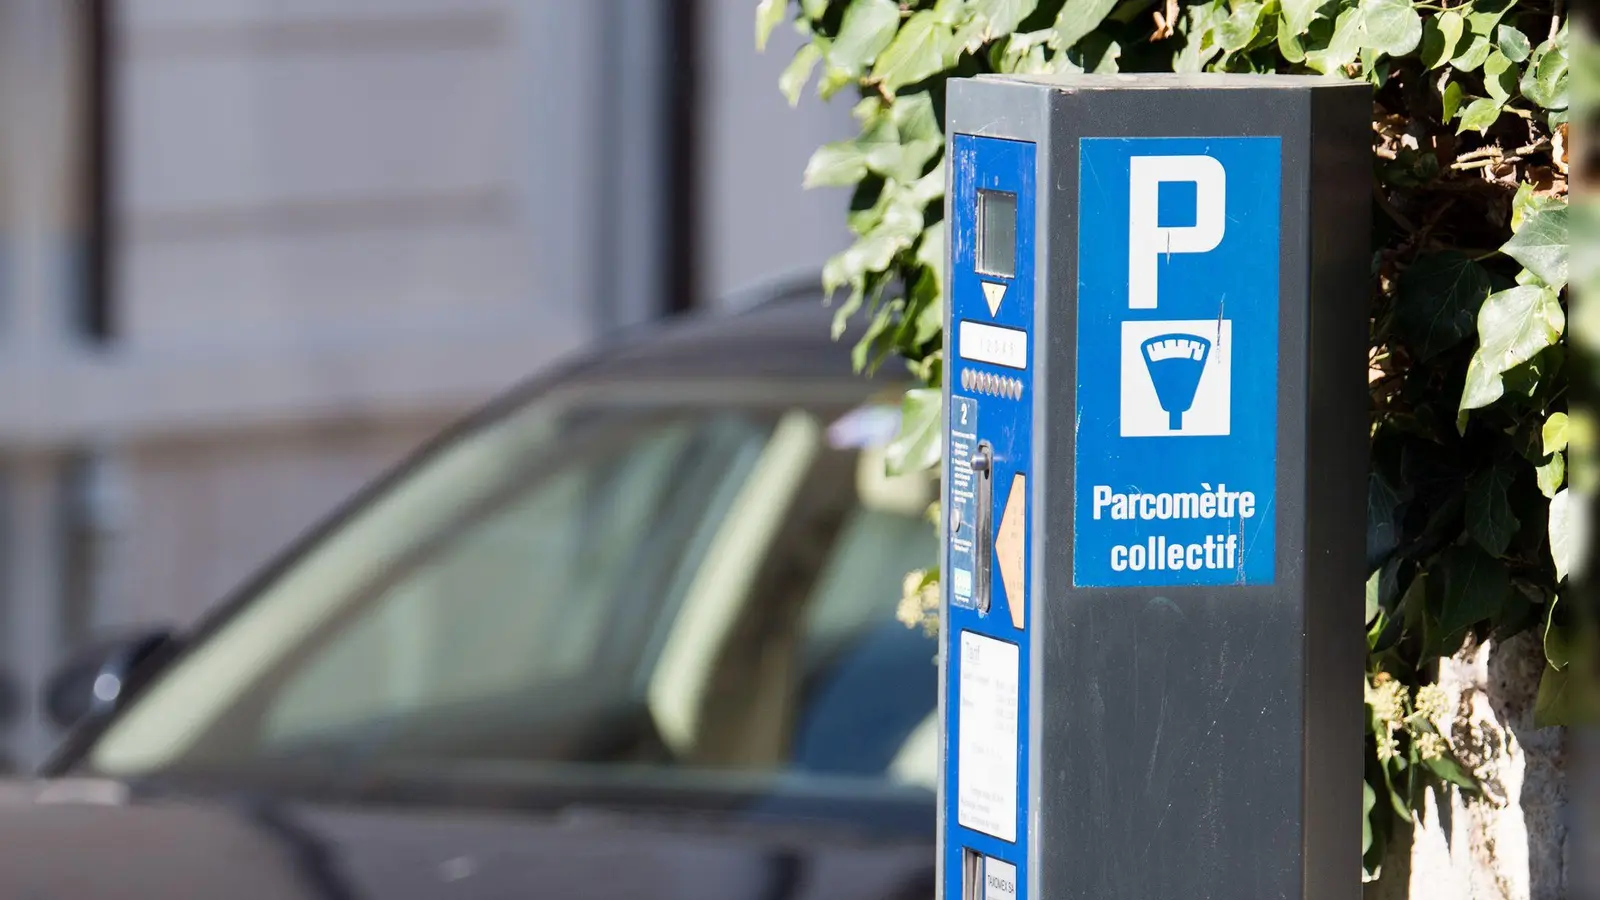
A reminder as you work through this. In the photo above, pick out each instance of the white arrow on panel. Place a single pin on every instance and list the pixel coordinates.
(993, 293)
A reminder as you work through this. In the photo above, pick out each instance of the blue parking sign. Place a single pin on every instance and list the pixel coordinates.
(1177, 364)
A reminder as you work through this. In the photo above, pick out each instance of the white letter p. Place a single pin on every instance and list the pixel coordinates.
(1148, 241)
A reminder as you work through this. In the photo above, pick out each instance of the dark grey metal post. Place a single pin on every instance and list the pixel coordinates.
(1186, 354)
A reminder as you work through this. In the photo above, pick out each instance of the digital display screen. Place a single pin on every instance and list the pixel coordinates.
(997, 233)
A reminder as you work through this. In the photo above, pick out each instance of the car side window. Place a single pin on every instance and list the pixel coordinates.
(521, 596)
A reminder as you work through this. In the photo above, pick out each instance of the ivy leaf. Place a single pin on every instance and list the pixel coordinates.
(1513, 325)
(1369, 799)
(1527, 202)
(1514, 44)
(1550, 706)
(769, 15)
(866, 29)
(1438, 300)
(1005, 15)
(1452, 100)
(1560, 528)
(1384, 503)
(1552, 474)
(795, 75)
(1289, 43)
(1557, 648)
(1499, 77)
(1479, 115)
(1440, 35)
(1475, 588)
(1490, 520)
(1343, 47)
(1199, 39)
(900, 144)
(1077, 18)
(917, 446)
(1391, 26)
(1449, 770)
(931, 251)
(1373, 608)
(874, 344)
(838, 164)
(1482, 18)
(1545, 80)
(1297, 14)
(1554, 433)
(1541, 245)
(929, 312)
(918, 51)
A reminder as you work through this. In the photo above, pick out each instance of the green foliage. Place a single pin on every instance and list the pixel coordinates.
(1468, 533)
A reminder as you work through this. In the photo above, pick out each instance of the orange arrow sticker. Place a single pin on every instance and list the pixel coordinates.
(1010, 546)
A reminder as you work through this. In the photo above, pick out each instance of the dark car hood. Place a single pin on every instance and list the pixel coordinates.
(84, 839)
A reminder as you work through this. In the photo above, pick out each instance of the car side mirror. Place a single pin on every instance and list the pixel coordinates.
(97, 679)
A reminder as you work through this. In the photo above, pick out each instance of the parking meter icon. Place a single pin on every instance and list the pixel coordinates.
(1177, 378)
(1175, 363)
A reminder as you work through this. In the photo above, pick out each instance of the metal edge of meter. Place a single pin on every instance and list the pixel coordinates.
(1008, 114)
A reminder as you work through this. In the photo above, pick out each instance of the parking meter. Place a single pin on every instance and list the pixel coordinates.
(1155, 482)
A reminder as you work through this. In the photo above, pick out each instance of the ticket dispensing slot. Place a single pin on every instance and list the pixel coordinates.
(971, 875)
(983, 549)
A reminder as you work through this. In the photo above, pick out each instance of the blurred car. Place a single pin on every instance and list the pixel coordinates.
(628, 632)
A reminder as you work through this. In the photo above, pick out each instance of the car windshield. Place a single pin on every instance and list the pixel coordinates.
(696, 585)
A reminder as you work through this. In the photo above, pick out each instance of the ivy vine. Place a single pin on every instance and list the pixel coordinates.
(1468, 510)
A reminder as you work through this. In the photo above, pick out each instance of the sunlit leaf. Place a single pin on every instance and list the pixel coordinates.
(1545, 79)
(918, 51)
(1297, 14)
(769, 15)
(918, 445)
(1513, 43)
(1557, 648)
(1561, 515)
(866, 29)
(1452, 100)
(1440, 35)
(1554, 433)
(1499, 77)
(1552, 475)
(793, 79)
(1077, 18)
(836, 165)
(1480, 114)
(1541, 245)
(1004, 15)
(1390, 26)
(1513, 325)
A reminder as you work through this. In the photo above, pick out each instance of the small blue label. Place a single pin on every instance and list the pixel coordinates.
(1177, 384)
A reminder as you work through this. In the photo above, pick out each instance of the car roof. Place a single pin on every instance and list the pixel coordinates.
(782, 331)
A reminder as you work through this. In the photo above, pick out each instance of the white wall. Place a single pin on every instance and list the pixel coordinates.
(757, 221)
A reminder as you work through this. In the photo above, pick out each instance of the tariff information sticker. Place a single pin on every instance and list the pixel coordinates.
(1177, 384)
(963, 513)
(986, 746)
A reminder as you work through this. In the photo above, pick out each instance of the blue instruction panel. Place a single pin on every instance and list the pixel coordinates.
(1177, 366)
(989, 523)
